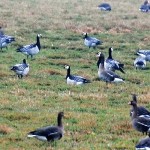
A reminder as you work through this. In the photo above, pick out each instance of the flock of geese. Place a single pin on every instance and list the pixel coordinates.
(107, 68)
(145, 7)
(140, 116)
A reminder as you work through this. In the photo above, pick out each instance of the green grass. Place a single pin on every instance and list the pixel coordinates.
(96, 118)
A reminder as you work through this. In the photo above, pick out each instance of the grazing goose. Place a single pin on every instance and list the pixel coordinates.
(31, 49)
(75, 80)
(106, 75)
(49, 133)
(105, 7)
(111, 64)
(140, 109)
(144, 144)
(145, 7)
(91, 41)
(21, 69)
(5, 40)
(144, 53)
(139, 123)
(140, 62)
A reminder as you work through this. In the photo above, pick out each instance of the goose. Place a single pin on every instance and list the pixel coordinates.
(106, 75)
(5, 40)
(49, 133)
(140, 62)
(73, 79)
(111, 64)
(31, 49)
(21, 69)
(105, 7)
(139, 123)
(91, 41)
(144, 53)
(144, 144)
(141, 111)
(145, 7)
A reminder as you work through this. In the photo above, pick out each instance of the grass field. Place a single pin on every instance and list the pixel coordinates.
(96, 118)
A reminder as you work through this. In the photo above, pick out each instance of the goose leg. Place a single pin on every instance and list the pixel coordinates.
(32, 57)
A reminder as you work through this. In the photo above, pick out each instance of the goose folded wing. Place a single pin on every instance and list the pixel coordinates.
(50, 133)
(112, 63)
(112, 74)
(145, 52)
(143, 143)
(107, 76)
(55, 135)
(20, 67)
(93, 40)
(27, 47)
(144, 121)
(78, 78)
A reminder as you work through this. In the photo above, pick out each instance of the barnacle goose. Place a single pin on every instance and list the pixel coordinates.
(111, 64)
(91, 41)
(73, 79)
(5, 39)
(105, 7)
(31, 49)
(21, 69)
(106, 75)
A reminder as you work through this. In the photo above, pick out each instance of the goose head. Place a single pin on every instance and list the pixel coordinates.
(39, 35)
(24, 61)
(133, 103)
(101, 59)
(111, 49)
(85, 35)
(67, 67)
(59, 119)
(134, 97)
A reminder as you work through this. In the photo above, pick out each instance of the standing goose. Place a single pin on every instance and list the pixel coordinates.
(111, 64)
(49, 133)
(144, 53)
(140, 62)
(144, 144)
(91, 41)
(21, 69)
(140, 109)
(106, 75)
(75, 80)
(5, 40)
(31, 49)
(139, 123)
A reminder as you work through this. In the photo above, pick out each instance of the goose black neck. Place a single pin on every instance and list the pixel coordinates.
(24, 61)
(59, 120)
(100, 62)
(68, 72)
(134, 114)
(134, 98)
(38, 42)
(85, 36)
(110, 54)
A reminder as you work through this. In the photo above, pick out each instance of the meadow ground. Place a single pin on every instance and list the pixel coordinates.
(96, 118)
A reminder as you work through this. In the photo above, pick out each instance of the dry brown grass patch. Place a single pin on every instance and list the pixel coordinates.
(4, 129)
(122, 127)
